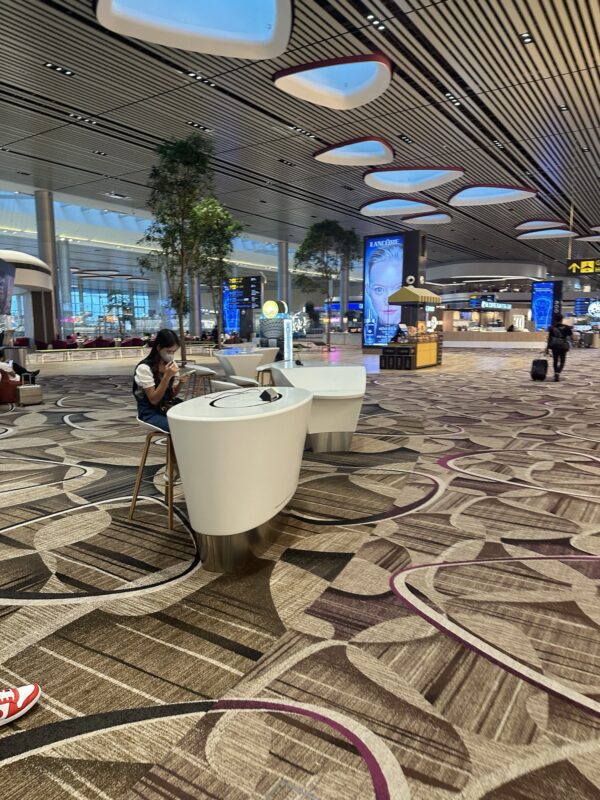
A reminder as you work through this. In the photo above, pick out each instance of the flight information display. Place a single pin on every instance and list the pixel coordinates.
(240, 294)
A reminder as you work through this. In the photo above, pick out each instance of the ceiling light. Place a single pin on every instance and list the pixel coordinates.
(303, 131)
(526, 37)
(199, 126)
(498, 144)
(99, 153)
(406, 139)
(453, 99)
(349, 188)
(586, 149)
(286, 162)
(116, 196)
(370, 16)
(563, 108)
(61, 70)
(82, 118)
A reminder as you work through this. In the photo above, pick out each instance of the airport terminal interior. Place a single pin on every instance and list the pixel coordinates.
(299, 423)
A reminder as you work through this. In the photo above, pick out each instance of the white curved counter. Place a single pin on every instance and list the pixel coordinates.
(242, 364)
(338, 394)
(239, 457)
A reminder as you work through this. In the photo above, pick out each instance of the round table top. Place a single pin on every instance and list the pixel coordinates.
(238, 404)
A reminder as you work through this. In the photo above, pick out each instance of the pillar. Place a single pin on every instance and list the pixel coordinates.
(344, 293)
(283, 273)
(46, 236)
(194, 306)
(64, 271)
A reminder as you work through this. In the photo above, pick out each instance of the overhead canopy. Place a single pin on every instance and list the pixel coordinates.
(411, 294)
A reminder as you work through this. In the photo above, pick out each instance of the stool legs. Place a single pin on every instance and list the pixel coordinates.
(170, 470)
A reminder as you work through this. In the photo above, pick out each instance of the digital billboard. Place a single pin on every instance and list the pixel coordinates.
(383, 275)
(546, 300)
(240, 293)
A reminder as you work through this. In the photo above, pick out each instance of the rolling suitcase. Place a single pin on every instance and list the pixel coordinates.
(539, 369)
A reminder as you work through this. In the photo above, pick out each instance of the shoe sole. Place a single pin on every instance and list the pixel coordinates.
(22, 712)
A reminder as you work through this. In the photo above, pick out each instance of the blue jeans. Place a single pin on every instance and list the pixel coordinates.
(149, 413)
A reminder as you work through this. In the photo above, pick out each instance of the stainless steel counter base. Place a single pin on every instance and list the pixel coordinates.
(233, 554)
(334, 442)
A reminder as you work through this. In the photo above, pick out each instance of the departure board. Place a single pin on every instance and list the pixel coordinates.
(240, 294)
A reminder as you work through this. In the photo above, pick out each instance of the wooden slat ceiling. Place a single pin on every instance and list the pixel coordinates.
(139, 94)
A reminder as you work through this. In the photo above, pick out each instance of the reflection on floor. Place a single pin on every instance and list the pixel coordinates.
(426, 626)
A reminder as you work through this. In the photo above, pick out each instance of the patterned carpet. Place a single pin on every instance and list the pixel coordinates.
(426, 626)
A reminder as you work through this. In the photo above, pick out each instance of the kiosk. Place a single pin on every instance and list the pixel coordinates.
(418, 349)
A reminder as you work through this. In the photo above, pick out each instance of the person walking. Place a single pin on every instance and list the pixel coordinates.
(559, 343)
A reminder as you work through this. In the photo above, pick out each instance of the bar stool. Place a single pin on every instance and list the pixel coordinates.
(154, 432)
(200, 381)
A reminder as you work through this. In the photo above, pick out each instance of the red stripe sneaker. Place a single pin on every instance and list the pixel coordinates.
(16, 702)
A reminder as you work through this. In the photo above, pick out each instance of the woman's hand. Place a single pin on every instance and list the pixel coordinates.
(171, 371)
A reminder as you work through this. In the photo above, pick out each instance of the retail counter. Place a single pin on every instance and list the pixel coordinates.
(497, 340)
(413, 353)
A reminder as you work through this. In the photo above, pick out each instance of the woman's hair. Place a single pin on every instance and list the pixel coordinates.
(557, 318)
(164, 338)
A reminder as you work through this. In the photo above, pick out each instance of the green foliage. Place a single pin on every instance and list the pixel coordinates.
(327, 250)
(178, 182)
(216, 230)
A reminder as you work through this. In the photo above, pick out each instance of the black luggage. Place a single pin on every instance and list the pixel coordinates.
(539, 369)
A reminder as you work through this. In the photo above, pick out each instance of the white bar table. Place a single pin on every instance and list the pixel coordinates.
(238, 363)
(239, 459)
(338, 394)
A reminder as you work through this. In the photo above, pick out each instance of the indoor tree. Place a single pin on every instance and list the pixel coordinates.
(216, 231)
(179, 180)
(327, 251)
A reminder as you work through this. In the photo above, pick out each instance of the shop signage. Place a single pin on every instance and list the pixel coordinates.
(488, 305)
(583, 266)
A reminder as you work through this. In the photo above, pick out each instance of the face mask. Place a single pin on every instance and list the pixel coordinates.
(167, 357)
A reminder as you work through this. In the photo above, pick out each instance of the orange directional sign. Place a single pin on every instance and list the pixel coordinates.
(584, 266)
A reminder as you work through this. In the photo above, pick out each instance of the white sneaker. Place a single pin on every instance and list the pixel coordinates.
(18, 701)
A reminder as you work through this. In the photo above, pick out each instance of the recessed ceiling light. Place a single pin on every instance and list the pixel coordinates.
(453, 99)
(286, 162)
(303, 131)
(199, 126)
(99, 153)
(82, 118)
(526, 37)
(563, 107)
(197, 77)
(586, 149)
(406, 139)
(498, 144)
(57, 68)
(116, 196)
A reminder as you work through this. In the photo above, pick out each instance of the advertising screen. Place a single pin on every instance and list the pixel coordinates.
(546, 300)
(383, 275)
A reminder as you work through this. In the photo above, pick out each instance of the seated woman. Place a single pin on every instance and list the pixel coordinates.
(156, 381)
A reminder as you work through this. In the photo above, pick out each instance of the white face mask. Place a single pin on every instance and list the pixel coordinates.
(167, 357)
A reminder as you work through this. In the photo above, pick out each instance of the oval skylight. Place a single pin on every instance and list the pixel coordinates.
(340, 83)
(411, 179)
(539, 224)
(490, 194)
(550, 233)
(235, 28)
(593, 238)
(396, 207)
(363, 152)
(429, 219)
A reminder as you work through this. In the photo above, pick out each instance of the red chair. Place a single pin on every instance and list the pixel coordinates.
(59, 344)
(21, 341)
(41, 345)
(8, 388)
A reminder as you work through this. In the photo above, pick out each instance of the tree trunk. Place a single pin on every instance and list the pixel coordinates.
(180, 313)
(220, 311)
(329, 312)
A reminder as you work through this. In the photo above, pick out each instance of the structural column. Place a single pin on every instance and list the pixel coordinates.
(194, 306)
(46, 236)
(283, 273)
(64, 268)
(344, 287)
